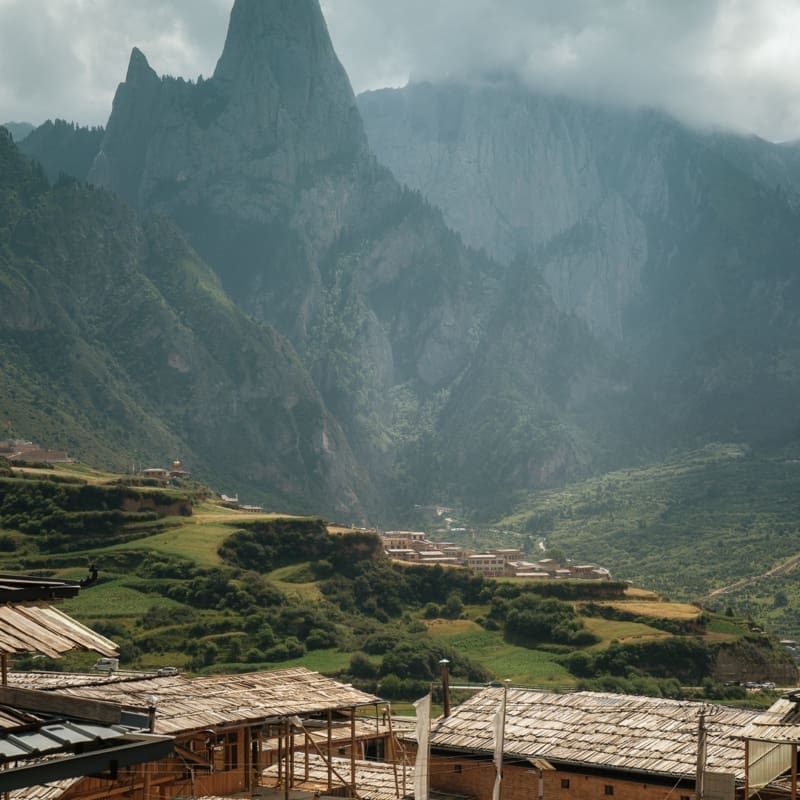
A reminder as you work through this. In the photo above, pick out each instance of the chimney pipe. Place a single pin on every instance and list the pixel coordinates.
(445, 687)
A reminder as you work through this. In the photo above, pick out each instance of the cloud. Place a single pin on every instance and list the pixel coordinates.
(64, 58)
(731, 63)
(714, 62)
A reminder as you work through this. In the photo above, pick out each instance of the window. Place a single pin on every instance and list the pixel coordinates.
(457, 767)
(608, 789)
(565, 783)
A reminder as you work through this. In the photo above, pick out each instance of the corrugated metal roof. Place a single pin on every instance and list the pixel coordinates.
(185, 704)
(46, 630)
(55, 737)
(594, 729)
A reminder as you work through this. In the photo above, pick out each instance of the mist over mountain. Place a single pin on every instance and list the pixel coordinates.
(519, 290)
(19, 130)
(265, 167)
(677, 248)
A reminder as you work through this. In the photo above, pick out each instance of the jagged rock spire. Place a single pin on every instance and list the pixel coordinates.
(279, 53)
(139, 70)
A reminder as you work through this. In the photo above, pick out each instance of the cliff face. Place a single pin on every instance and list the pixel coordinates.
(118, 344)
(516, 173)
(676, 248)
(265, 167)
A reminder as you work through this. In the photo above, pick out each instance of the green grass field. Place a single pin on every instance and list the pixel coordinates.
(114, 599)
(189, 539)
(520, 665)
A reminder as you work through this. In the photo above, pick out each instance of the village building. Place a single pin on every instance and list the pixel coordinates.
(48, 741)
(226, 728)
(771, 742)
(585, 745)
(488, 565)
(402, 554)
(410, 539)
(156, 473)
(502, 562)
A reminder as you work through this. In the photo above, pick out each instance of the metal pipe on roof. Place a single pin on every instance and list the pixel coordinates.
(445, 687)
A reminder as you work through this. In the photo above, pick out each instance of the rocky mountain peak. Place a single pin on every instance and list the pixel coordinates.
(279, 53)
(140, 73)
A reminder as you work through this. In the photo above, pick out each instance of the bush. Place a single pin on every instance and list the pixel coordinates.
(361, 666)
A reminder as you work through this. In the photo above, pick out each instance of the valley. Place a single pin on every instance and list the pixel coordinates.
(212, 590)
(571, 324)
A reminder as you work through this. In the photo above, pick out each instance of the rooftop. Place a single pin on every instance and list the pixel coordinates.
(603, 730)
(185, 704)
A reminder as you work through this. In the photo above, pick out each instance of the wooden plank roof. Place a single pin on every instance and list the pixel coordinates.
(48, 631)
(374, 780)
(45, 791)
(185, 704)
(599, 730)
(780, 723)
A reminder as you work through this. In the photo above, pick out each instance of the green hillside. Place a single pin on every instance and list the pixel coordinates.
(119, 345)
(705, 524)
(188, 582)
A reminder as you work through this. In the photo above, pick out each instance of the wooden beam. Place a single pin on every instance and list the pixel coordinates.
(55, 703)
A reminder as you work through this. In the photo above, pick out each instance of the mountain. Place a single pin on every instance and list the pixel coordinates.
(118, 344)
(62, 146)
(18, 130)
(677, 248)
(266, 169)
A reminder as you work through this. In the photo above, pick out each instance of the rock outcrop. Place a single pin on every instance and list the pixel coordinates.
(265, 167)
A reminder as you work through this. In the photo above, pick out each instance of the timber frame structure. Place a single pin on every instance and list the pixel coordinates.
(227, 729)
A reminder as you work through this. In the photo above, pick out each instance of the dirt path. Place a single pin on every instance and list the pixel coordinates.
(780, 569)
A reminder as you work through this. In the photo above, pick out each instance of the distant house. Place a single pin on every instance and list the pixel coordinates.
(157, 473)
(487, 564)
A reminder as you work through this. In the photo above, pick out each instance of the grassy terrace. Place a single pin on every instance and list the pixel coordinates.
(217, 589)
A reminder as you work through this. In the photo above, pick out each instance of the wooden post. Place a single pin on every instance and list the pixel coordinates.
(391, 754)
(280, 754)
(353, 749)
(445, 687)
(330, 754)
(305, 747)
(291, 754)
(288, 755)
(746, 769)
(699, 788)
(146, 781)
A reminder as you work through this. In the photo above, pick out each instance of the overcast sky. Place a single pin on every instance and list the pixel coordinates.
(731, 63)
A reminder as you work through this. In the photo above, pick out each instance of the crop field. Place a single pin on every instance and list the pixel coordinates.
(658, 610)
(609, 630)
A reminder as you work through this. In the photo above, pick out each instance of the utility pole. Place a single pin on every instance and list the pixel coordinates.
(699, 781)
